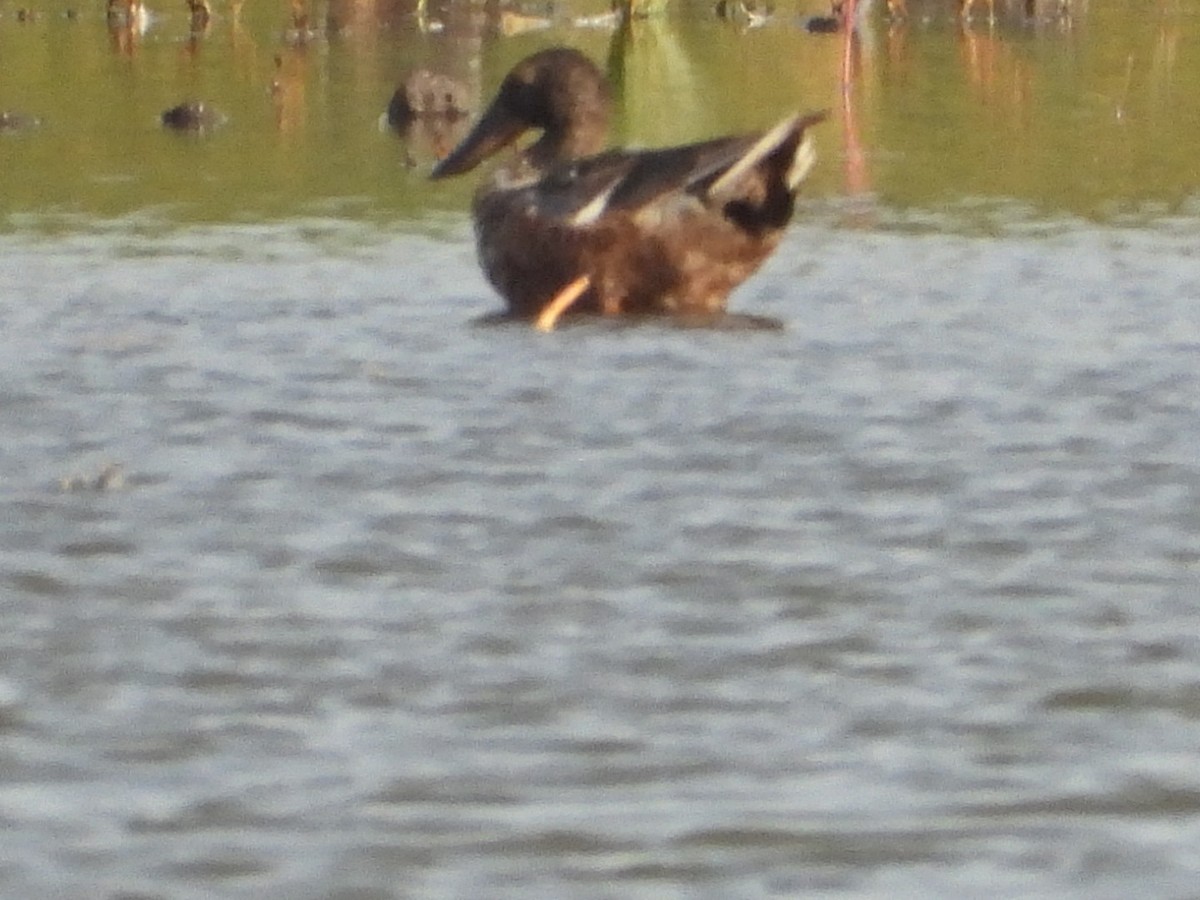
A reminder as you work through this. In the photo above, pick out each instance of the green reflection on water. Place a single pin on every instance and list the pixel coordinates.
(1097, 119)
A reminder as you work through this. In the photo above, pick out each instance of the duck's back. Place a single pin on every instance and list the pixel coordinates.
(657, 231)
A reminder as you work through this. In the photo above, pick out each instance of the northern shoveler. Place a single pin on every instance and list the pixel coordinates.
(644, 232)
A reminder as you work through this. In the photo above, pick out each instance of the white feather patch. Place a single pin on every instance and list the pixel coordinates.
(802, 162)
(762, 148)
(591, 212)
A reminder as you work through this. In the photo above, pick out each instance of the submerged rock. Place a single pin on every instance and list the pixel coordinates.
(823, 25)
(193, 116)
(430, 111)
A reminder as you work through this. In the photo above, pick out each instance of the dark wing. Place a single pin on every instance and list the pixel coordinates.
(623, 181)
(689, 169)
(626, 180)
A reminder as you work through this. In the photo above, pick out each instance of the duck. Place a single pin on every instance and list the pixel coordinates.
(565, 226)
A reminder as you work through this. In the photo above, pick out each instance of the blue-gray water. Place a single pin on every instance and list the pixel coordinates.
(900, 601)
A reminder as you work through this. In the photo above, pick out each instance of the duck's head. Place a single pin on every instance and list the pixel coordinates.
(559, 91)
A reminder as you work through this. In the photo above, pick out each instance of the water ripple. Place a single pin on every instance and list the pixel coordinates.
(898, 601)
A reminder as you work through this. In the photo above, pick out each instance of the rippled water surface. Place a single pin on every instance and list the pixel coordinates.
(312, 589)
(900, 601)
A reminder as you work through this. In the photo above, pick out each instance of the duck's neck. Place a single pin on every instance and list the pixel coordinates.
(582, 138)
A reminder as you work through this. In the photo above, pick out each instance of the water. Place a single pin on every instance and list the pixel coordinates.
(898, 601)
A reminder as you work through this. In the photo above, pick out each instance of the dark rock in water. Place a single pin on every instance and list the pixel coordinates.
(425, 95)
(823, 25)
(430, 111)
(192, 116)
(15, 121)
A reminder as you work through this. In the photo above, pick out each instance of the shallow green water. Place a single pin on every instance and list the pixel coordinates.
(1090, 117)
